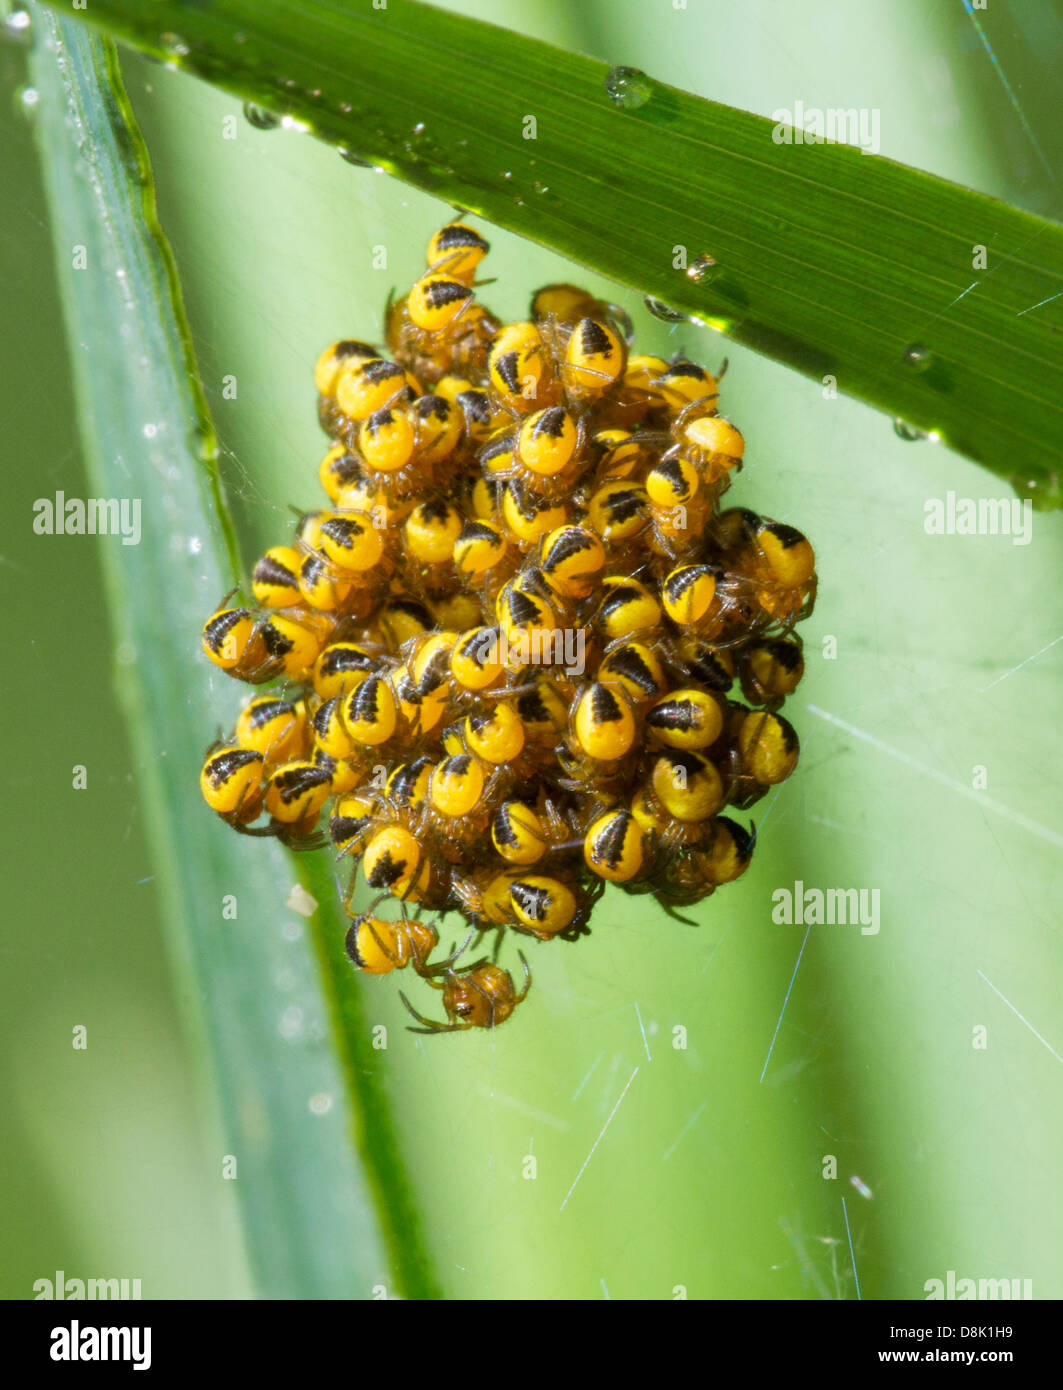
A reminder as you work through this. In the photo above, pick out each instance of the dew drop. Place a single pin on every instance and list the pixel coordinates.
(419, 128)
(320, 1104)
(291, 1024)
(260, 118)
(702, 268)
(202, 444)
(352, 158)
(150, 431)
(174, 45)
(15, 27)
(917, 356)
(629, 88)
(28, 99)
(661, 311)
(909, 433)
(195, 545)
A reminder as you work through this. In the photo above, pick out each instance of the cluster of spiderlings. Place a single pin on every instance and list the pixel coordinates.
(509, 647)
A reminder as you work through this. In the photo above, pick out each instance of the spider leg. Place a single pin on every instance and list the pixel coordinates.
(446, 965)
(675, 915)
(259, 831)
(303, 843)
(484, 995)
(351, 889)
(500, 933)
(429, 1025)
(527, 979)
(398, 964)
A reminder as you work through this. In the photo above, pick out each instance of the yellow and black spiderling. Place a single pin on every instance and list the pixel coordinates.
(335, 358)
(688, 718)
(542, 906)
(594, 358)
(377, 946)
(231, 782)
(457, 250)
(436, 301)
(520, 655)
(273, 727)
(340, 667)
(232, 640)
(615, 848)
(518, 833)
(275, 578)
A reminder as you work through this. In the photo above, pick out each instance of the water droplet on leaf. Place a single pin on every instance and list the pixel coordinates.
(702, 268)
(629, 88)
(661, 311)
(174, 45)
(909, 433)
(917, 356)
(15, 27)
(260, 118)
(291, 1024)
(28, 99)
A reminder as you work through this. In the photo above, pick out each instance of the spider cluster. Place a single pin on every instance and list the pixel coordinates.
(507, 652)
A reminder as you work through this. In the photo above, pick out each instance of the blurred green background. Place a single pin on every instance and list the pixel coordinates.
(708, 1177)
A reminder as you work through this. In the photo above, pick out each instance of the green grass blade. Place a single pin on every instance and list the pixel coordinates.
(297, 1102)
(832, 261)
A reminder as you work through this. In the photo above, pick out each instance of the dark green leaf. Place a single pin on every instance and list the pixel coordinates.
(838, 263)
